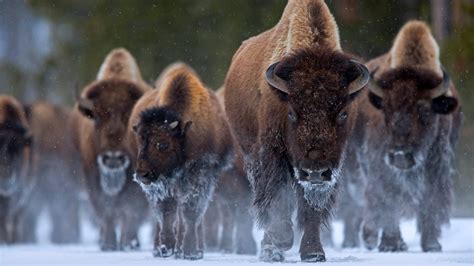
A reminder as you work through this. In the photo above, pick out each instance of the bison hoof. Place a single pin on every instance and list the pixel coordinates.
(313, 257)
(271, 253)
(350, 243)
(108, 247)
(163, 252)
(370, 238)
(432, 247)
(131, 246)
(395, 246)
(195, 255)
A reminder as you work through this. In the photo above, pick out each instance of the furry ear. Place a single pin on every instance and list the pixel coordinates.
(375, 100)
(444, 105)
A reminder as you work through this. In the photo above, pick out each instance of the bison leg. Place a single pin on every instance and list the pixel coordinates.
(108, 238)
(392, 240)
(180, 235)
(129, 233)
(228, 218)
(351, 231)
(193, 210)
(279, 229)
(169, 210)
(244, 236)
(211, 226)
(3, 222)
(65, 218)
(309, 220)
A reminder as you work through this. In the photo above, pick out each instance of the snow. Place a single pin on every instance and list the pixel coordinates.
(457, 241)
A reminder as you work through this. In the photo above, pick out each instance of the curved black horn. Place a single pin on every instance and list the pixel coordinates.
(362, 80)
(443, 87)
(275, 80)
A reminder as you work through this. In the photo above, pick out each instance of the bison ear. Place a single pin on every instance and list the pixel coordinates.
(375, 100)
(444, 105)
(86, 107)
(135, 128)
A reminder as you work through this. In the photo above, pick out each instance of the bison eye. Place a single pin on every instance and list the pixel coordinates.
(162, 146)
(292, 116)
(342, 117)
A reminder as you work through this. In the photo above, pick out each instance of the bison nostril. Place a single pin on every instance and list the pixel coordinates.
(327, 175)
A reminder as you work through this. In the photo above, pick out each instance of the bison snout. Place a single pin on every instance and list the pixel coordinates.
(114, 160)
(401, 159)
(316, 173)
(144, 176)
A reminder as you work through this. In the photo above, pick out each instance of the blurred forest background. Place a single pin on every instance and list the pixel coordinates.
(50, 49)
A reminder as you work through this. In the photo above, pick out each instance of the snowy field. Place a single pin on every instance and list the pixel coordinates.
(457, 241)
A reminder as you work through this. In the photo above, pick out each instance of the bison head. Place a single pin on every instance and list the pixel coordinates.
(160, 135)
(411, 100)
(109, 104)
(14, 139)
(317, 86)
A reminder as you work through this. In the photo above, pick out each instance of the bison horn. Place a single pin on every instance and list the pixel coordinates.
(443, 87)
(174, 125)
(374, 87)
(275, 80)
(362, 80)
(85, 103)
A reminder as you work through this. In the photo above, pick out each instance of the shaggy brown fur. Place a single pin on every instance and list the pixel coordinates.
(99, 123)
(230, 208)
(409, 139)
(16, 182)
(57, 170)
(282, 134)
(183, 142)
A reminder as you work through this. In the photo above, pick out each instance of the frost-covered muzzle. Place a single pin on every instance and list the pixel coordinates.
(157, 190)
(317, 192)
(8, 185)
(113, 167)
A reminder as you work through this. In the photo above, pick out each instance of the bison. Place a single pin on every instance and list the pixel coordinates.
(230, 208)
(289, 94)
(99, 122)
(183, 142)
(16, 182)
(57, 170)
(403, 152)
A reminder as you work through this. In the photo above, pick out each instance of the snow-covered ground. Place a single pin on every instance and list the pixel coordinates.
(457, 241)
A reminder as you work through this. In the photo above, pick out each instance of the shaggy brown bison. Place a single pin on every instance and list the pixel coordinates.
(230, 208)
(100, 120)
(183, 142)
(408, 126)
(16, 182)
(56, 168)
(288, 98)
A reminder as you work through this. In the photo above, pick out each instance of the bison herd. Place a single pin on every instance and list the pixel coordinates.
(297, 122)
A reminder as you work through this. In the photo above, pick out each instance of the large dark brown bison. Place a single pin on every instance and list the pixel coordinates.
(16, 182)
(288, 99)
(100, 120)
(57, 170)
(183, 142)
(229, 208)
(402, 154)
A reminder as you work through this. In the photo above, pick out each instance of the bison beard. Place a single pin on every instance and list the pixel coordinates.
(112, 180)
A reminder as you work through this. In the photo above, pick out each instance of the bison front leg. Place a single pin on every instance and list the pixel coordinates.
(244, 232)
(279, 227)
(193, 210)
(169, 210)
(108, 238)
(228, 218)
(309, 219)
(129, 233)
(3, 222)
